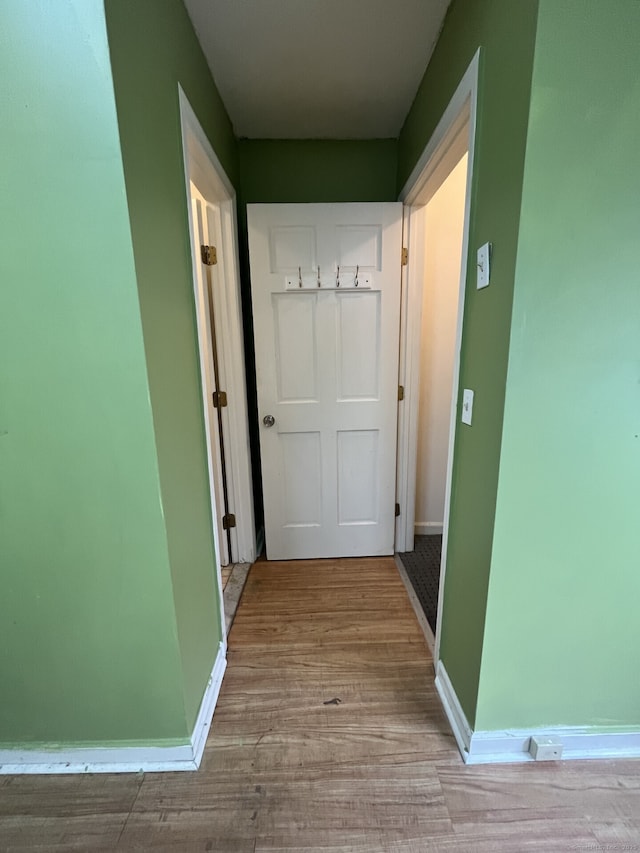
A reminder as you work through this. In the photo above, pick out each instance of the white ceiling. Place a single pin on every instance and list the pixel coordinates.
(317, 69)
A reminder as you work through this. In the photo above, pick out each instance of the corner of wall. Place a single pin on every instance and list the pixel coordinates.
(503, 112)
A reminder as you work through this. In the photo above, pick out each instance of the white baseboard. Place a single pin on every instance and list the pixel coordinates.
(428, 528)
(512, 745)
(452, 708)
(125, 759)
(208, 706)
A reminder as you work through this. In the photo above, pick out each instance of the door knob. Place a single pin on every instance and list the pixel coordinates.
(268, 420)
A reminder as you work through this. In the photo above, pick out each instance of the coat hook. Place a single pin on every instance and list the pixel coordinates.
(318, 275)
(338, 277)
(299, 277)
(355, 281)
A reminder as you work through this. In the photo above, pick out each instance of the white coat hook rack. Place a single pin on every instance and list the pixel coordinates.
(300, 283)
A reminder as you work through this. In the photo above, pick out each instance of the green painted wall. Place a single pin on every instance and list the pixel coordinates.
(563, 636)
(88, 650)
(309, 170)
(505, 32)
(153, 48)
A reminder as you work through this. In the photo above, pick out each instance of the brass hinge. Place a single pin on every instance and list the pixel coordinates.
(397, 510)
(228, 520)
(400, 392)
(219, 399)
(209, 255)
(405, 257)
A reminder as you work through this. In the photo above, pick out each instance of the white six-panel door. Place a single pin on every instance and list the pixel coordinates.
(325, 282)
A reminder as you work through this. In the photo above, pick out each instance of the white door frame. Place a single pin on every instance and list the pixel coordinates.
(203, 168)
(454, 135)
(206, 222)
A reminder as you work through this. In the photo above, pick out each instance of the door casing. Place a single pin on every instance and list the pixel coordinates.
(453, 136)
(202, 167)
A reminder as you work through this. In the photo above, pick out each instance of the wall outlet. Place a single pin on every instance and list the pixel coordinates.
(545, 748)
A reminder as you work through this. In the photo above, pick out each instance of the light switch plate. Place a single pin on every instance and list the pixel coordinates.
(483, 263)
(467, 406)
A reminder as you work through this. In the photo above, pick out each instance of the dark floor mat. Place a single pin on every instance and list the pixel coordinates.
(422, 565)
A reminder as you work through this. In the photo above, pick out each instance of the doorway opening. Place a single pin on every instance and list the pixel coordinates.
(436, 228)
(443, 219)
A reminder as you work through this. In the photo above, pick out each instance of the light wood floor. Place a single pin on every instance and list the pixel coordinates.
(328, 736)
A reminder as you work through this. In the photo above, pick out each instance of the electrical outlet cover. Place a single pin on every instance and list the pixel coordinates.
(545, 748)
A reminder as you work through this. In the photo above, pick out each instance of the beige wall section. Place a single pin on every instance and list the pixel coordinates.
(444, 225)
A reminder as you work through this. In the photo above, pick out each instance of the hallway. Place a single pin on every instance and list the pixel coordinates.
(328, 736)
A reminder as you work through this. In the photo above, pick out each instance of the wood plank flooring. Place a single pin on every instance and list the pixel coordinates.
(329, 736)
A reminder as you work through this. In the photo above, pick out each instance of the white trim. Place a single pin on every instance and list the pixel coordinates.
(409, 372)
(470, 81)
(125, 759)
(453, 709)
(512, 745)
(208, 705)
(243, 536)
(203, 167)
(202, 231)
(450, 121)
(456, 132)
(578, 742)
(428, 528)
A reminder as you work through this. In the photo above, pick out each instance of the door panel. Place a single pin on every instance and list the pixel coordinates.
(302, 478)
(295, 348)
(359, 346)
(357, 476)
(325, 282)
